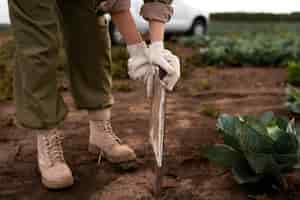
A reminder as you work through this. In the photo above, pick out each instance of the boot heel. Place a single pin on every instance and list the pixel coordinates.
(94, 149)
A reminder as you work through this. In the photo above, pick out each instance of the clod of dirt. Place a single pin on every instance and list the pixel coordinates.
(293, 181)
(130, 187)
(226, 187)
(8, 153)
(7, 122)
(184, 191)
(7, 115)
(169, 182)
(128, 166)
(260, 197)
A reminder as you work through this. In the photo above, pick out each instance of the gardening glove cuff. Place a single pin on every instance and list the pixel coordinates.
(159, 45)
(137, 49)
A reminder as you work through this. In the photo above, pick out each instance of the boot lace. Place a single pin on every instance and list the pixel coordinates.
(54, 147)
(109, 130)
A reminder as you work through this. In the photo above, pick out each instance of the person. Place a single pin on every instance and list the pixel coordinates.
(39, 106)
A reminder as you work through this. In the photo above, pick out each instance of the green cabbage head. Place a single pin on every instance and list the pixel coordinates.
(256, 147)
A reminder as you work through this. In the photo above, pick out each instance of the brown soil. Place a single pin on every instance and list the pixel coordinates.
(4, 38)
(188, 176)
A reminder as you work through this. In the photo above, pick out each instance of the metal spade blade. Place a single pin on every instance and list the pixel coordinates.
(157, 127)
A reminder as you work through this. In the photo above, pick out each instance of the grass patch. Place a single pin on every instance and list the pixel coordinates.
(203, 84)
(119, 65)
(196, 87)
(210, 110)
(294, 73)
(122, 87)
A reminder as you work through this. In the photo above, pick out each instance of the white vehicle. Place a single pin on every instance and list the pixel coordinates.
(186, 20)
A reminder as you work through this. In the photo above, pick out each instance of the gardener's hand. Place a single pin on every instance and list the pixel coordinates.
(167, 61)
(138, 65)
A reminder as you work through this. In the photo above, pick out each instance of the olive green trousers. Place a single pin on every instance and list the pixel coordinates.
(37, 25)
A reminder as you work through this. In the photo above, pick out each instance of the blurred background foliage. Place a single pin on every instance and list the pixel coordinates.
(233, 39)
(6, 55)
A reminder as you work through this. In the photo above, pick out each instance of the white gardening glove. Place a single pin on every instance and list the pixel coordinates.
(139, 67)
(167, 61)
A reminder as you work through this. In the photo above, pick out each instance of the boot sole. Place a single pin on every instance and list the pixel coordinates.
(57, 186)
(125, 165)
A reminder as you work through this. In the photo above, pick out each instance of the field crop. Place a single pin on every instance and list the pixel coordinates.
(237, 28)
(258, 49)
(294, 73)
(257, 148)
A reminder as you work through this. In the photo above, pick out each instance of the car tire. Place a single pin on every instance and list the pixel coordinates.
(115, 35)
(199, 28)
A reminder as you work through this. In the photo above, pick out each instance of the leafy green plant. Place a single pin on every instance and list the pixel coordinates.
(257, 148)
(293, 99)
(255, 49)
(294, 73)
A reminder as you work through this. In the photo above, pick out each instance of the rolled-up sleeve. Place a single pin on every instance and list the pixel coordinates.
(112, 6)
(159, 10)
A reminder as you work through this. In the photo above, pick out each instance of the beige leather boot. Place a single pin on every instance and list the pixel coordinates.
(54, 171)
(104, 141)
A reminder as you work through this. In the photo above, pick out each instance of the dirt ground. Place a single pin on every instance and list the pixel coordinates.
(191, 124)
(4, 38)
